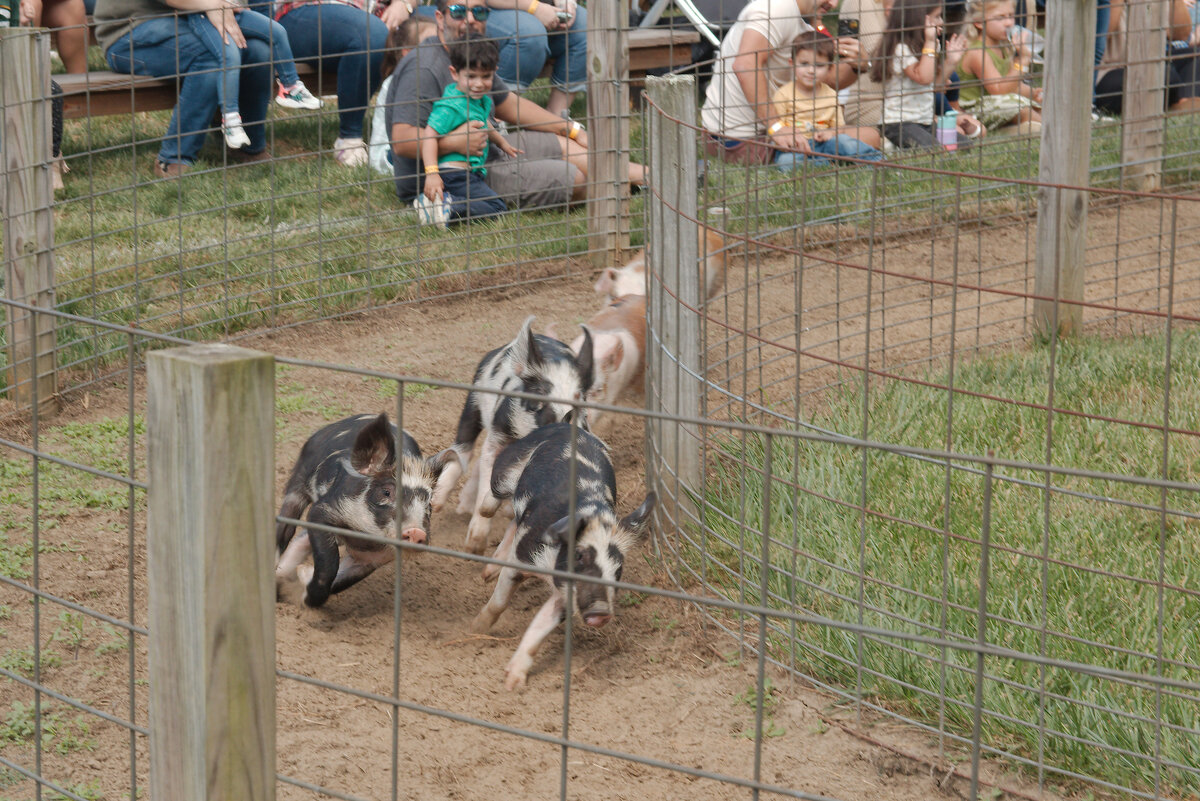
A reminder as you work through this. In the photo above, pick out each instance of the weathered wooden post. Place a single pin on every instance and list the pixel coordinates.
(608, 131)
(1066, 141)
(1143, 124)
(675, 371)
(210, 551)
(28, 221)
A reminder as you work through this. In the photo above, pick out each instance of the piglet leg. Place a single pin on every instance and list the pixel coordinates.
(503, 551)
(498, 602)
(478, 528)
(544, 622)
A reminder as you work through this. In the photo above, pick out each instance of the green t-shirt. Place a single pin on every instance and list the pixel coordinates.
(971, 85)
(452, 110)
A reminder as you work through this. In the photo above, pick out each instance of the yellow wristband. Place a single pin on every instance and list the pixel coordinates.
(775, 127)
(532, 6)
(573, 134)
(929, 52)
(430, 169)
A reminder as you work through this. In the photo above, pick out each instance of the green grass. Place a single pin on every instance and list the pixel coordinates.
(817, 533)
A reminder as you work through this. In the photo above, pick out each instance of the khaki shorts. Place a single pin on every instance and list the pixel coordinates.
(538, 177)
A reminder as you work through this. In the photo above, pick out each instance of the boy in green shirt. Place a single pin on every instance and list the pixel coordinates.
(454, 182)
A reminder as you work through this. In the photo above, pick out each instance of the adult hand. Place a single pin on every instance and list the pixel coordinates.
(548, 16)
(568, 6)
(394, 15)
(471, 138)
(790, 139)
(1038, 94)
(31, 12)
(849, 51)
(224, 20)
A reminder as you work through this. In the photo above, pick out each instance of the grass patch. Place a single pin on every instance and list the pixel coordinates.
(61, 732)
(1099, 578)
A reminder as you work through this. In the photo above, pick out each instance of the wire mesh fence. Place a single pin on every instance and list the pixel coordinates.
(896, 494)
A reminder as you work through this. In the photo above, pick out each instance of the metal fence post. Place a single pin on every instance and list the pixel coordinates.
(25, 202)
(210, 553)
(675, 372)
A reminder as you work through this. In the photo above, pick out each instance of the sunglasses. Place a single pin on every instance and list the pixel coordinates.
(459, 12)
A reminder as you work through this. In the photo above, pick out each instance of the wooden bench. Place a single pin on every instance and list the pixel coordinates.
(104, 93)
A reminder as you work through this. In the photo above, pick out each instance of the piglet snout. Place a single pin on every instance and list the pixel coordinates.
(597, 615)
(414, 535)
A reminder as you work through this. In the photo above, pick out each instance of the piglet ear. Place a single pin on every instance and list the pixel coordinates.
(585, 362)
(527, 356)
(558, 534)
(374, 451)
(636, 521)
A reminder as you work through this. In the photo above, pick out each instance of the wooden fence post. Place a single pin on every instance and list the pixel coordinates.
(210, 554)
(28, 221)
(1143, 124)
(1066, 140)
(673, 338)
(608, 131)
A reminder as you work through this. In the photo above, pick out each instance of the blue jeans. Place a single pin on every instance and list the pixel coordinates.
(254, 26)
(470, 196)
(840, 145)
(335, 35)
(525, 45)
(165, 47)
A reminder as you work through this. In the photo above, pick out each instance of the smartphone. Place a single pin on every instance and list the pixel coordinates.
(847, 27)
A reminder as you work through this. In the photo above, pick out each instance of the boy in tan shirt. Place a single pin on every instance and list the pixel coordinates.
(806, 112)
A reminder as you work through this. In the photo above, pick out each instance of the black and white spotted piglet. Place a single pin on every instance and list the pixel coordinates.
(347, 473)
(535, 473)
(531, 363)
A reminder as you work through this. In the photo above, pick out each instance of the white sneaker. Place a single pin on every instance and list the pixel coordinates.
(297, 96)
(235, 135)
(431, 212)
(350, 152)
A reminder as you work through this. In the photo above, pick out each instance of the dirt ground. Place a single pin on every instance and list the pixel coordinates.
(656, 682)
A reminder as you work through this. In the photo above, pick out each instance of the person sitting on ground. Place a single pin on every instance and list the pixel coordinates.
(551, 169)
(145, 37)
(1181, 73)
(226, 49)
(991, 73)
(400, 41)
(754, 62)
(909, 80)
(458, 178)
(808, 110)
(532, 32)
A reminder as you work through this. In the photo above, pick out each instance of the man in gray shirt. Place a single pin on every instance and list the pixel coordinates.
(551, 169)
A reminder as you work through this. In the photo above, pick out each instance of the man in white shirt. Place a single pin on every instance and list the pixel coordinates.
(754, 62)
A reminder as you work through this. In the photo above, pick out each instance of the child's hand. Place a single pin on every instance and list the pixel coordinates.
(933, 25)
(507, 147)
(433, 186)
(1037, 96)
(824, 136)
(956, 48)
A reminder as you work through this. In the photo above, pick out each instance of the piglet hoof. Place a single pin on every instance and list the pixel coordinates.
(490, 571)
(489, 506)
(477, 535)
(482, 623)
(516, 672)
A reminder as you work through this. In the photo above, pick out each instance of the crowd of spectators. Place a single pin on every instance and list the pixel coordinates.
(784, 89)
